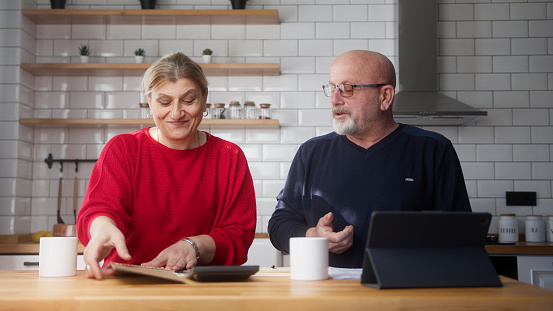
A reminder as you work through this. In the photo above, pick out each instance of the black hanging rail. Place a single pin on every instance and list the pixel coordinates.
(50, 161)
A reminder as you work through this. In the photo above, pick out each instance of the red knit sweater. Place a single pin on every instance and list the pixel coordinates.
(157, 195)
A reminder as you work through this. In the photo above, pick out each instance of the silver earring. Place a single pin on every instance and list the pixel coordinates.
(149, 115)
(206, 113)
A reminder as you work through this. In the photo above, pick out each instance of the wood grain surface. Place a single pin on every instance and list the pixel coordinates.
(21, 290)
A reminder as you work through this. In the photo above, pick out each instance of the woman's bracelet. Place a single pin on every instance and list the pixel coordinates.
(193, 245)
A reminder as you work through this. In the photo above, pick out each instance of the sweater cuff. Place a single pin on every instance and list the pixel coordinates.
(300, 231)
(297, 232)
(226, 252)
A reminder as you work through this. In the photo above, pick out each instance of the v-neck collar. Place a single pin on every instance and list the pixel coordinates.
(358, 148)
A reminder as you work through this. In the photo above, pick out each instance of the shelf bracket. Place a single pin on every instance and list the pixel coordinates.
(50, 161)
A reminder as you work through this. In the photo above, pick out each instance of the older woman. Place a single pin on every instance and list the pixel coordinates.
(169, 195)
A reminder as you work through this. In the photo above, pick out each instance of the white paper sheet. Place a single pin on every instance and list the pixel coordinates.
(344, 273)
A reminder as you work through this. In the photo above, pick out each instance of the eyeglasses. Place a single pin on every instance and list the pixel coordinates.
(346, 90)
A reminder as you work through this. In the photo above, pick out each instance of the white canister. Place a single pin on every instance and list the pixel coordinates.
(508, 228)
(535, 228)
(549, 229)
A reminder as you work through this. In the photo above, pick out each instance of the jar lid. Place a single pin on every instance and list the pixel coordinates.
(208, 105)
(219, 105)
(234, 103)
(264, 105)
(143, 105)
(507, 214)
(249, 103)
(533, 215)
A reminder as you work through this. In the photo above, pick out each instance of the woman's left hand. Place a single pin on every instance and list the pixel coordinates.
(182, 254)
(175, 257)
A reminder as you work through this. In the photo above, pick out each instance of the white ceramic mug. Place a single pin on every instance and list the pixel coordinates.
(308, 258)
(57, 256)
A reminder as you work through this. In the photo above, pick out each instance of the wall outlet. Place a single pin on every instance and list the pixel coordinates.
(521, 198)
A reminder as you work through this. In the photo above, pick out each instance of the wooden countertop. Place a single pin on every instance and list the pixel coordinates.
(24, 290)
(25, 248)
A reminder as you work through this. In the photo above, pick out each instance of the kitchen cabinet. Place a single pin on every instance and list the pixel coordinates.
(18, 262)
(28, 262)
(24, 255)
(536, 270)
(528, 262)
(264, 254)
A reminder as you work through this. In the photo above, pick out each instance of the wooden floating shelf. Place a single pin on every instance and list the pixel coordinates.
(223, 123)
(132, 69)
(152, 17)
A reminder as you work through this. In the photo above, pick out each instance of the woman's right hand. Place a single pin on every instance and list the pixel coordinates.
(104, 236)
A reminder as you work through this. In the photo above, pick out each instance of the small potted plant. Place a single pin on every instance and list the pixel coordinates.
(84, 52)
(206, 55)
(238, 4)
(139, 56)
(148, 4)
(57, 4)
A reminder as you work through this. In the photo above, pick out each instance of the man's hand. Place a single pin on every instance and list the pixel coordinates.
(104, 236)
(338, 242)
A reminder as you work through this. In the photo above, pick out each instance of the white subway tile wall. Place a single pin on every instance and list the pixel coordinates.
(496, 56)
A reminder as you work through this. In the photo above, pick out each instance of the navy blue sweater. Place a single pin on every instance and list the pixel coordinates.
(409, 170)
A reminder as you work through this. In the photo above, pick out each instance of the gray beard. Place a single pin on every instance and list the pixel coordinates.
(346, 127)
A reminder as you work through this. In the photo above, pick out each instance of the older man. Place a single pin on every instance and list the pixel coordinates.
(369, 163)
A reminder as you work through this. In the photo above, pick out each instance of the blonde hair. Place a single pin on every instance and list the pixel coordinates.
(172, 68)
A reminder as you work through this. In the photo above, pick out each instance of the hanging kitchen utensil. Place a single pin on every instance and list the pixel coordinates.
(75, 190)
(61, 229)
(60, 220)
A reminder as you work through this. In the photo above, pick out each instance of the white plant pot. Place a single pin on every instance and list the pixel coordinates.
(84, 59)
(138, 59)
(207, 59)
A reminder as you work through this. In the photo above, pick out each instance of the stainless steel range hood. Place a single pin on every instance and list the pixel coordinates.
(418, 102)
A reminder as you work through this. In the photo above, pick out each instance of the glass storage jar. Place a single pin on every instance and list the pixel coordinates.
(235, 111)
(219, 111)
(508, 228)
(250, 110)
(264, 111)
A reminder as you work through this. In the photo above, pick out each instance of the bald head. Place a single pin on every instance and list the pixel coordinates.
(365, 66)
